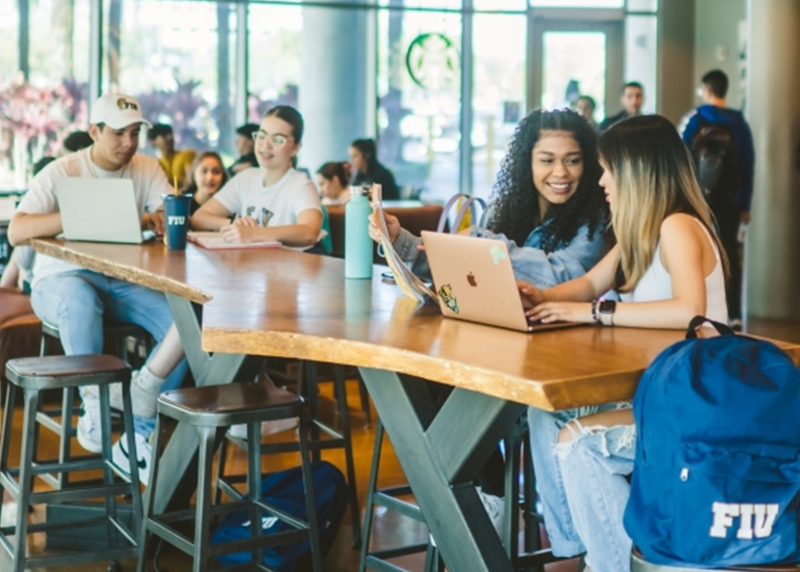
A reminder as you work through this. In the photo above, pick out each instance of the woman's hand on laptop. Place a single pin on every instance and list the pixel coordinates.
(529, 294)
(549, 312)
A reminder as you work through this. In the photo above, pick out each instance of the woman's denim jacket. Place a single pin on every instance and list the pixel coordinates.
(530, 262)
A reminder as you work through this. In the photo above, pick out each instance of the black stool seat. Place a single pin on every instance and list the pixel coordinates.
(57, 372)
(229, 404)
(639, 564)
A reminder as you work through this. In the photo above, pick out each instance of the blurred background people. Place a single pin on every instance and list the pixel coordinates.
(367, 169)
(176, 163)
(245, 146)
(332, 181)
(585, 106)
(632, 101)
(206, 177)
(76, 141)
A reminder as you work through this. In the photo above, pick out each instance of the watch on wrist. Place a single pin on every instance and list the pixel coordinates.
(606, 309)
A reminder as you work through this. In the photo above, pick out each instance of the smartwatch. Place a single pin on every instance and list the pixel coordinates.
(606, 310)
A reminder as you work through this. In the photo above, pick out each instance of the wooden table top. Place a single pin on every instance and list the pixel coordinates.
(277, 302)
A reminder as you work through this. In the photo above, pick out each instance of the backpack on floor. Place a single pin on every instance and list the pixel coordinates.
(284, 490)
(717, 470)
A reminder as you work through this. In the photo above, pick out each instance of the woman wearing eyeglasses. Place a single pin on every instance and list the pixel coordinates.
(274, 202)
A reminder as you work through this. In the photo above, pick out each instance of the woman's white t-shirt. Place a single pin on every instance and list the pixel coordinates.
(149, 184)
(275, 205)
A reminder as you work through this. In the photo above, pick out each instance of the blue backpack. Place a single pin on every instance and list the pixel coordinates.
(284, 491)
(717, 470)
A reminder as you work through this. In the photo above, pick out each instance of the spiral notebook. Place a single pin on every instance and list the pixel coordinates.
(215, 241)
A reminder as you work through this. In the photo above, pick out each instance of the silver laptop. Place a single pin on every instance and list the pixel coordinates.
(99, 210)
(475, 281)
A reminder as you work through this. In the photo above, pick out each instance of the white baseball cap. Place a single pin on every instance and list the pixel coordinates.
(117, 111)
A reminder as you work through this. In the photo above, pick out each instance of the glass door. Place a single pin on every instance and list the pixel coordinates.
(572, 58)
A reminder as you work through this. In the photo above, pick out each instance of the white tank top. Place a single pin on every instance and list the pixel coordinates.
(656, 284)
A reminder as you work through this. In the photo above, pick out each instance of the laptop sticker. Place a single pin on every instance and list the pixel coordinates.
(497, 253)
(447, 296)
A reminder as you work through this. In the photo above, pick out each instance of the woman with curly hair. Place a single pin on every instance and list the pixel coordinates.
(547, 204)
(550, 210)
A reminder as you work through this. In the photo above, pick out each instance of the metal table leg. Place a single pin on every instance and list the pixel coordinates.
(207, 369)
(441, 454)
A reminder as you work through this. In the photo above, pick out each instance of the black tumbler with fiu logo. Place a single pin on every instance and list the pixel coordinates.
(176, 220)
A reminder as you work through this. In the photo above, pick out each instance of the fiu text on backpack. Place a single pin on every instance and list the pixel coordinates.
(713, 152)
(284, 491)
(717, 470)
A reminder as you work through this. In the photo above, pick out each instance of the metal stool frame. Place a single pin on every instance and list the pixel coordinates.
(210, 424)
(18, 481)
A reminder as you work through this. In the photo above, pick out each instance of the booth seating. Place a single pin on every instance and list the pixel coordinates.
(20, 329)
(210, 410)
(414, 216)
(34, 376)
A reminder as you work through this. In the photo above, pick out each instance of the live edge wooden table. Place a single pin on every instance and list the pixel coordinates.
(284, 303)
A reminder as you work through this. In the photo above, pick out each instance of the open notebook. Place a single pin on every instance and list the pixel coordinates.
(214, 241)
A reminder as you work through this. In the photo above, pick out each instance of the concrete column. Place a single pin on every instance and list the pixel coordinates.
(772, 252)
(334, 82)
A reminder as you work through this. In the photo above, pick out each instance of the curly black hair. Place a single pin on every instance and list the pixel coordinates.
(516, 199)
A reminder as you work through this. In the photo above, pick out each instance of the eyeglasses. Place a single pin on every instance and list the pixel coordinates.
(276, 139)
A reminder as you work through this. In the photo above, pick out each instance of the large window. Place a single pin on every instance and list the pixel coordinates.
(44, 99)
(498, 96)
(177, 58)
(419, 92)
(274, 65)
(388, 69)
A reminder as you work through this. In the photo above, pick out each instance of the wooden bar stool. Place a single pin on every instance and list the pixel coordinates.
(639, 564)
(211, 410)
(32, 376)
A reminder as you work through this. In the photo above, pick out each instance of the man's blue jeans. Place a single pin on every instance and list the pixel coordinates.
(78, 302)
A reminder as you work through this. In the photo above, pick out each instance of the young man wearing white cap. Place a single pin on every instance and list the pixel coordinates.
(77, 300)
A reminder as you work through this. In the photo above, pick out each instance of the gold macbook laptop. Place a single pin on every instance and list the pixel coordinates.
(474, 280)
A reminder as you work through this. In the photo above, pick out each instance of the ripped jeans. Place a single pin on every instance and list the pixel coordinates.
(582, 485)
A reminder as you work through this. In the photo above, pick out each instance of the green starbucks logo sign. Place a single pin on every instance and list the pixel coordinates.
(433, 61)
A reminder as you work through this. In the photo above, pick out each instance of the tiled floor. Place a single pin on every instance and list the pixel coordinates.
(389, 528)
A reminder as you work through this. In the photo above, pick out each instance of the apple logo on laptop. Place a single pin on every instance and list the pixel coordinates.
(471, 280)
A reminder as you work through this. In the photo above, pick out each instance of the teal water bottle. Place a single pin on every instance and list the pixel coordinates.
(357, 243)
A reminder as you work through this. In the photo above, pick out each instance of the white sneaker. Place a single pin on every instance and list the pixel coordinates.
(89, 429)
(495, 508)
(144, 456)
(143, 400)
(267, 427)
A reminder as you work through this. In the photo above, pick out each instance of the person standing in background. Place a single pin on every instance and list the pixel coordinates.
(176, 163)
(632, 101)
(730, 205)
